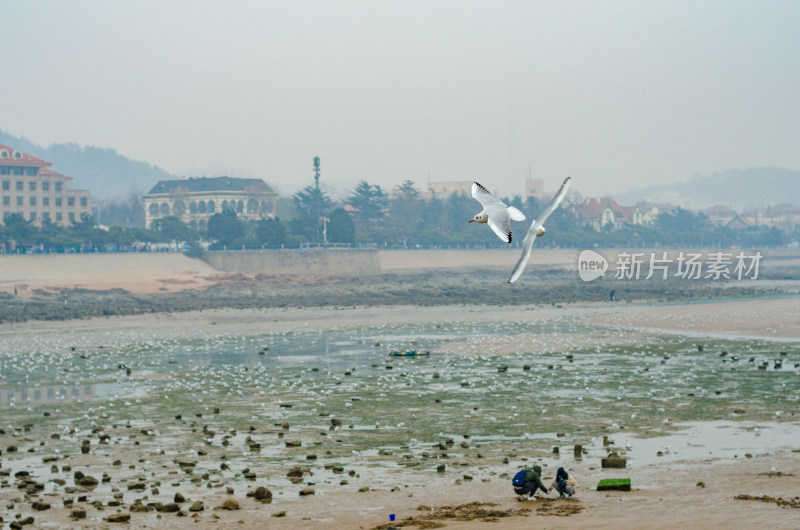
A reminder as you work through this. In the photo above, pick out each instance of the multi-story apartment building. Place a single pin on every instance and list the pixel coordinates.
(29, 188)
(194, 200)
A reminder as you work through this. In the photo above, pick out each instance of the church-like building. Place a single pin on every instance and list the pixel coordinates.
(29, 188)
(193, 200)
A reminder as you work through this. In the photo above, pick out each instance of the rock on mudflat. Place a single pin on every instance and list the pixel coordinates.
(261, 494)
(197, 507)
(87, 481)
(230, 504)
(119, 518)
(19, 523)
(613, 461)
(306, 491)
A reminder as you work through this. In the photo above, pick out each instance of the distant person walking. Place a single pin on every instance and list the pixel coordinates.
(15, 290)
(563, 483)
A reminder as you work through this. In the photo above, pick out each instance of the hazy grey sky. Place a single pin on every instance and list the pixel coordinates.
(617, 94)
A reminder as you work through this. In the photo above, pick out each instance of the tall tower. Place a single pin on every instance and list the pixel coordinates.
(316, 171)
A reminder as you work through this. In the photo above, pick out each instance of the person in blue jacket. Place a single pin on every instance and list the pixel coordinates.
(528, 481)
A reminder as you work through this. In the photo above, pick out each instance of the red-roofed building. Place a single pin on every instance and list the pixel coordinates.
(719, 215)
(782, 216)
(600, 212)
(29, 188)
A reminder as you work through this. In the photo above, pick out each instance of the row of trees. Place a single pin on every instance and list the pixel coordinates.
(402, 219)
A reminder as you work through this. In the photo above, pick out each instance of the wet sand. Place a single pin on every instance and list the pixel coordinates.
(771, 319)
(664, 494)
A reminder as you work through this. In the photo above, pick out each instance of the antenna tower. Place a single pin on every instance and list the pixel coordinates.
(316, 171)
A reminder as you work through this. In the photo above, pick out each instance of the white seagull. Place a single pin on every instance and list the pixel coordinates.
(495, 212)
(537, 230)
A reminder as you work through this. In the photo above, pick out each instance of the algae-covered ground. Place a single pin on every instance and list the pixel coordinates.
(205, 412)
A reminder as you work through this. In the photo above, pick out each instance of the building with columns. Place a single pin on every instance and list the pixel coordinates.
(193, 200)
(29, 188)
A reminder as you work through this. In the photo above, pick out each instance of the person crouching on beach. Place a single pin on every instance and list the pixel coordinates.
(528, 481)
(563, 483)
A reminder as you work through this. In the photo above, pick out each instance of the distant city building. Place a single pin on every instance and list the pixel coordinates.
(719, 215)
(534, 188)
(602, 212)
(194, 200)
(29, 188)
(783, 216)
(442, 190)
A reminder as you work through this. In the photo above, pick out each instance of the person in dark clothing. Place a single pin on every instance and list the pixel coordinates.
(563, 483)
(532, 482)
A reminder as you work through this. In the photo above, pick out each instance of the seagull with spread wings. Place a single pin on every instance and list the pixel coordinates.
(537, 230)
(495, 212)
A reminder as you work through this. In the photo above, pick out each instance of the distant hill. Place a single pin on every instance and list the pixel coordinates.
(742, 188)
(104, 172)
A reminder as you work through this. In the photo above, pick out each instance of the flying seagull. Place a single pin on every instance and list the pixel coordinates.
(537, 230)
(495, 212)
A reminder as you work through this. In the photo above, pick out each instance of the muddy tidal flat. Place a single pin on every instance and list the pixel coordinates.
(300, 417)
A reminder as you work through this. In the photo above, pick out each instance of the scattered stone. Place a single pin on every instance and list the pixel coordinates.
(230, 504)
(170, 507)
(296, 471)
(262, 494)
(613, 461)
(119, 518)
(78, 513)
(179, 498)
(306, 491)
(87, 482)
(197, 507)
(40, 506)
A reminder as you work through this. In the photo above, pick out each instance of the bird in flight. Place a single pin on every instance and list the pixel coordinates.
(495, 212)
(537, 230)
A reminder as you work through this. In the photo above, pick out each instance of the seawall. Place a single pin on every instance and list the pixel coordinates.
(307, 262)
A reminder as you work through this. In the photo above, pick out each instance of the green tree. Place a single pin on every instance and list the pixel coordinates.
(341, 228)
(312, 202)
(20, 230)
(679, 220)
(225, 227)
(271, 231)
(370, 202)
(405, 212)
(311, 205)
(171, 228)
(85, 233)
